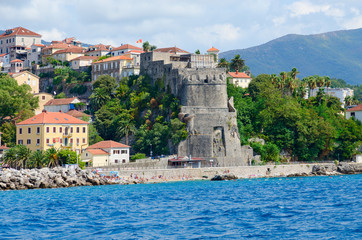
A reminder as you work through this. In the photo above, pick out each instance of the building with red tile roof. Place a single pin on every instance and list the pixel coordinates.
(174, 50)
(53, 129)
(240, 79)
(61, 104)
(124, 49)
(82, 61)
(213, 50)
(117, 67)
(68, 54)
(77, 114)
(355, 112)
(18, 36)
(98, 50)
(106, 153)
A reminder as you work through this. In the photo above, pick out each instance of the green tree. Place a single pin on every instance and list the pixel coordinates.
(36, 159)
(237, 63)
(223, 64)
(51, 157)
(146, 46)
(197, 51)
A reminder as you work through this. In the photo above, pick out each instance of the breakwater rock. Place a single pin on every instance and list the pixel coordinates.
(331, 169)
(224, 177)
(12, 179)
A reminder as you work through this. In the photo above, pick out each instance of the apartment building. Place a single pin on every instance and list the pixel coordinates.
(117, 67)
(53, 130)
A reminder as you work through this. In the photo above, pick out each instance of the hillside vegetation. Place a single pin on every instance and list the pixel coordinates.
(335, 54)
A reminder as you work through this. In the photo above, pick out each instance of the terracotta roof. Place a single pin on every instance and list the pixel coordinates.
(135, 51)
(14, 75)
(170, 50)
(97, 152)
(4, 147)
(114, 59)
(76, 113)
(4, 54)
(52, 118)
(108, 144)
(85, 58)
(70, 50)
(39, 45)
(19, 31)
(126, 46)
(60, 101)
(356, 108)
(16, 60)
(238, 75)
(213, 49)
(57, 46)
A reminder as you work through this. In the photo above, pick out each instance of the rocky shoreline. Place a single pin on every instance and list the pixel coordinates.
(331, 170)
(12, 179)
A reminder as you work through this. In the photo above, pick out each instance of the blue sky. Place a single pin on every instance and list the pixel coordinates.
(190, 25)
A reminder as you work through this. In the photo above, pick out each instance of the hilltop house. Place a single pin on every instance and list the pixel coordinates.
(124, 49)
(16, 65)
(215, 52)
(52, 48)
(240, 79)
(98, 50)
(355, 112)
(340, 93)
(68, 54)
(20, 38)
(117, 67)
(78, 114)
(106, 153)
(29, 78)
(34, 55)
(62, 104)
(53, 129)
(4, 62)
(82, 61)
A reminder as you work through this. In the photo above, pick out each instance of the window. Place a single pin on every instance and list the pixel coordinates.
(20, 142)
(61, 140)
(60, 129)
(77, 129)
(124, 152)
(83, 141)
(71, 130)
(47, 141)
(42, 97)
(37, 141)
(47, 129)
(71, 140)
(20, 131)
(38, 130)
(115, 151)
(353, 114)
(28, 141)
(84, 130)
(115, 160)
(22, 39)
(54, 129)
(124, 161)
(29, 130)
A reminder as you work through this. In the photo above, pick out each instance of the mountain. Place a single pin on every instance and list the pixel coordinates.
(335, 54)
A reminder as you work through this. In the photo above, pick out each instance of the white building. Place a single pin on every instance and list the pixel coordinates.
(34, 54)
(4, 62)
(340, 93)
(106, 153)
(124, 49)
(82, 61)
(355, 112)
(240, 79)
(62, 104)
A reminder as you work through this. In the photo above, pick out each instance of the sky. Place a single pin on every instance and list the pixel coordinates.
(189, 25)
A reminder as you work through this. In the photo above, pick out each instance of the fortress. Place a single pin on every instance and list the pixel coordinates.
(209, 114)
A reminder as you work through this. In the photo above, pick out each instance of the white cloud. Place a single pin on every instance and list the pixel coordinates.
(353, 23)
(305, 8)
(216, 33)
(53, 34)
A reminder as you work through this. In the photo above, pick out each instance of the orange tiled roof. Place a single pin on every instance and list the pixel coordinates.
(76, 113)
(52, 118)
(127, 46)
(57, 46)
(4, 54)
(60, 101)
(238, 75)
(39, 45)
(97, 152)
(16, 60)
(356, 108)
(170, 50)
(85, 58)
(108, 144)
(114, 59)
(135, 51)
(70, 50)
(4, 147)
(20, 31)
(213, 49)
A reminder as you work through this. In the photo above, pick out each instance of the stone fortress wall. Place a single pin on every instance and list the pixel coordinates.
(206, 109)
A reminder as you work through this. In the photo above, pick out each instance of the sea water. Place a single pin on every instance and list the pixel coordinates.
(274, 208)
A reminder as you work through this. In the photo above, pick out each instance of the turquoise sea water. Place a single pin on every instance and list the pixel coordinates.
(285, 208)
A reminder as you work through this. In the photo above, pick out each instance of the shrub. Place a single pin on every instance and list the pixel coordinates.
(138, 156)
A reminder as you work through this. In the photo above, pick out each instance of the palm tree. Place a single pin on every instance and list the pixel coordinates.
(320, 81)
(274, 78)
(294, 73)
(223, 64)
(23, 154)
(327, 81)
(126, 128)
(348, 100)
(237, 63)
(98, 98)
(312, 83)
(283, 75)
(146, 46)
(51, 157)
(36, 159)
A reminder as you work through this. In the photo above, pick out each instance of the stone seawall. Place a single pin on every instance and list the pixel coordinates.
(240, 172)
